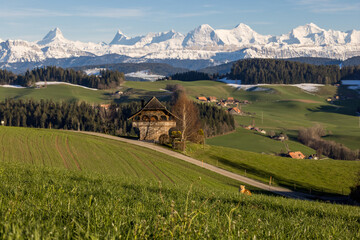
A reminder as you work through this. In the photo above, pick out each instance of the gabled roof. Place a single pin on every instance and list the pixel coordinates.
(235, 109)
(153, 105)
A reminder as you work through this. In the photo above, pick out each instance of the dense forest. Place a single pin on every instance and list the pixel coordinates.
(87, 117)
(214, 120)
(105, 80)
(271, 71)
(191, 76)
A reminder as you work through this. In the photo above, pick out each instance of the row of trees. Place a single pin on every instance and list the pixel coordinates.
(105, 80)
(312, 137)
(68, 115)
(271, 71)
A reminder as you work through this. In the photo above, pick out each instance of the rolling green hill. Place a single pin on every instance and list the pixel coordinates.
(59, 92)
(79, 152)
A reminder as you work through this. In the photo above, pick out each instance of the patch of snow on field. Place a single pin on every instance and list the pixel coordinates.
(94, 71)
(11, 86)
(144, 74)
(309, 87)
(65, 83)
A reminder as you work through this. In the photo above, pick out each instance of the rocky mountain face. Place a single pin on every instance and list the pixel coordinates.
(203, 43)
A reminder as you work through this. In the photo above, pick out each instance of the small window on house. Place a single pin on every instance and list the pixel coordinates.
(153, 118)
(145, 118)
(163, 118)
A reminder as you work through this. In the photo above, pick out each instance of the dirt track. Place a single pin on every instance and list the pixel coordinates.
(277, 190)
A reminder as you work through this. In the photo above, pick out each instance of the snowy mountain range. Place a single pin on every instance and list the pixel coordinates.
(202, 43)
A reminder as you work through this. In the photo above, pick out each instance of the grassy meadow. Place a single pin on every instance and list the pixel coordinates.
(318, 176)
(43, 203)
(61, 92)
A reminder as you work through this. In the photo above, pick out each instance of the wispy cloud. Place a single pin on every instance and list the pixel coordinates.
(196, 14)
(102, 12)
(328, 6)
(30, 12)
(112, 13)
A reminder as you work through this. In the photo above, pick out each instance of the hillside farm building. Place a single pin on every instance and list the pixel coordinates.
(153, 120)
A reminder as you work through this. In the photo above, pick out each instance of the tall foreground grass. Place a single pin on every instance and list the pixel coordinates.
(42, 203)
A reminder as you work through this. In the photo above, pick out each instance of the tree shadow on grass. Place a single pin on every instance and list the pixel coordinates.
(339, 109)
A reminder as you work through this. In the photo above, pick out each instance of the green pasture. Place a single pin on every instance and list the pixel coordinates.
(318, 176)
(43, 203)
(80, 152)
(59, 92)
(253, 141)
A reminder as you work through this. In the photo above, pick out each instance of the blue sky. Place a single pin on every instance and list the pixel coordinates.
(95, 21)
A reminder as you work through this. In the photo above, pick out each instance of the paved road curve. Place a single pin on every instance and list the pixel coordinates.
(277, 190)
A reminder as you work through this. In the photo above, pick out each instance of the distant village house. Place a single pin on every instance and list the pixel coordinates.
(297, 155)
(203, 99)
(234, 110)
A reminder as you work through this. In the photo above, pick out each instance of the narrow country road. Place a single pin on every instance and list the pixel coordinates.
(277, 190)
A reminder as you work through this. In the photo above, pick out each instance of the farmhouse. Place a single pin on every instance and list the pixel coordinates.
(153, 120)
(230, 100)
(234, 110)
(212, 99)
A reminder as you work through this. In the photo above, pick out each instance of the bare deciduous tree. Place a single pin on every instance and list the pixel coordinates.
(188, 122)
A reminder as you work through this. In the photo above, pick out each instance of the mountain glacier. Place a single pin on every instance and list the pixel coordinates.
(202, 43)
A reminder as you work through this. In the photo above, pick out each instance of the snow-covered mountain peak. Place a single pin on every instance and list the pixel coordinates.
(204, 27)
(54, 35)
(202, 36)
(119, 32)
(119, 38)
(243, 26)
(307, 29)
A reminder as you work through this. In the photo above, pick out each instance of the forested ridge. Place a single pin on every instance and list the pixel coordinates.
(105, 80)
(271, 71)
(88, 117)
